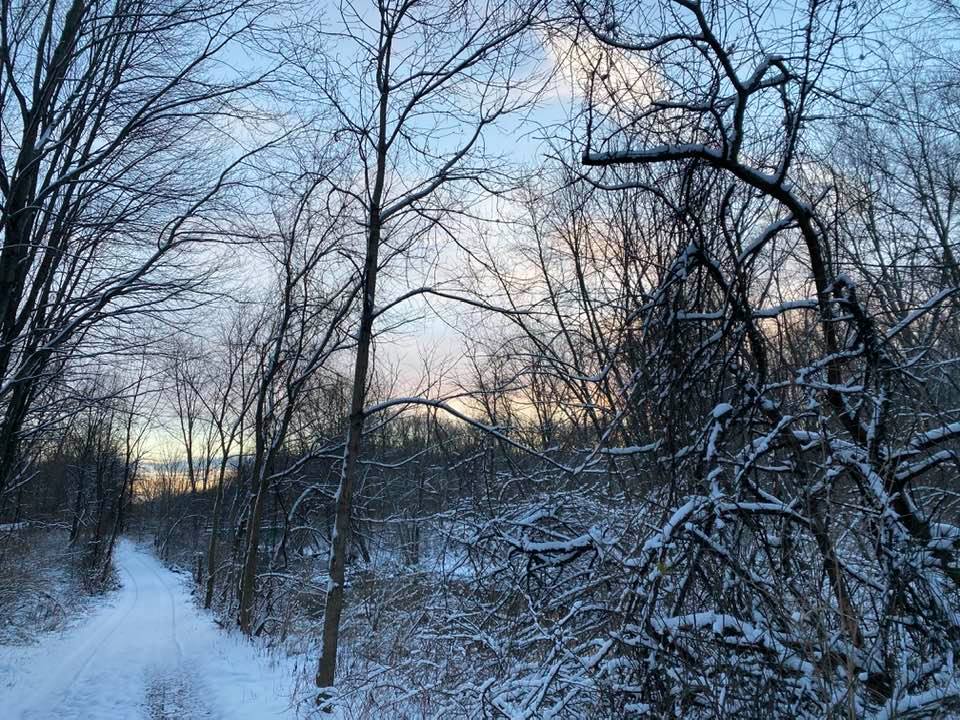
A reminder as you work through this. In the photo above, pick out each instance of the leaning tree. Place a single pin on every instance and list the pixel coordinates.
(121, 138)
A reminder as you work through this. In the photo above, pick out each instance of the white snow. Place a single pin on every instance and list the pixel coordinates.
(722, 409)
(147, 652)
(930, 437)
(632, 449)
(12, 527)
(665, 534)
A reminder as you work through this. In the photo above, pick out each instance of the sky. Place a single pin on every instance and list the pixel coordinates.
(436, 329)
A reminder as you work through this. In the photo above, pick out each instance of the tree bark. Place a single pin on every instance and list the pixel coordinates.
(214, 534)
(339, 543)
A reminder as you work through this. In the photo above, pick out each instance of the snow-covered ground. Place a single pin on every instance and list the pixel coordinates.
(146, 653)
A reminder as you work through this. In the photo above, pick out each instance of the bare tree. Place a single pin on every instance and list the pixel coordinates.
(304, 330)
(229, 407)
(114, 160)
(793, 429)
(415, 87)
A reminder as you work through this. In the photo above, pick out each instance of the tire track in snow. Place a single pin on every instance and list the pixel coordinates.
(148, 655)
(51, 694)
(172, 693)
(173, 607)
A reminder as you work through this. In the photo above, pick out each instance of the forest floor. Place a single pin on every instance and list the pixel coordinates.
(145, 652)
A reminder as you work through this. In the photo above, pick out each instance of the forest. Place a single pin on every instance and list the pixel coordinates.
(515, 359)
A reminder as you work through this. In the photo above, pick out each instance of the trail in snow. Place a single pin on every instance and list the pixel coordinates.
(149, 655)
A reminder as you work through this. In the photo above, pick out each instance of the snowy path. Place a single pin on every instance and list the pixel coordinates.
(148, 655)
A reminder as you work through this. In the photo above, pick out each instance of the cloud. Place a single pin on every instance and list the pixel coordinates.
(615, 80)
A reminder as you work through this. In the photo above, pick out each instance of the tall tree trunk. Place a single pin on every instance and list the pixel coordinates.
(118, 521)
(339, 543)
(344, 498)
(77, 507)
(249, 575)
(214, 534)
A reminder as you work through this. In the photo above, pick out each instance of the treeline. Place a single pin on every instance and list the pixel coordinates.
(689, 444)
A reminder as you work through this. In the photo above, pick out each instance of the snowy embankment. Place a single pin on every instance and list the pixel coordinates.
(146, 652)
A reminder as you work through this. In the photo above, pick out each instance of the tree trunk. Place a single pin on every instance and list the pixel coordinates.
(77, 507)
(339, 543)
(249, 574)
(214, 534)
